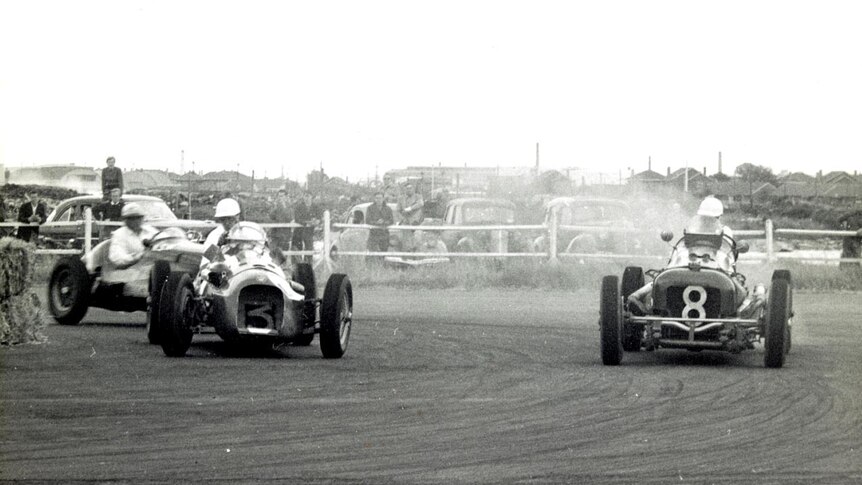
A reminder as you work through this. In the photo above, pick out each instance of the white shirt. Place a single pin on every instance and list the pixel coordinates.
(127, 247)
(212, 240)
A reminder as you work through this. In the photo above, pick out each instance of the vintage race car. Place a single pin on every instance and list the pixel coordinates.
(77, 283)
(697, 302)
(243, 294)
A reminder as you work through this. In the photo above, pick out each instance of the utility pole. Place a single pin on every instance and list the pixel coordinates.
(537, 159)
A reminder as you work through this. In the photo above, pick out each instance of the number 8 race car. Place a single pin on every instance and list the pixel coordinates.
(697, 302)
(244, 295)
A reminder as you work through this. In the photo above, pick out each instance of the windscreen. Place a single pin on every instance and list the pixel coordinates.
(488, 215)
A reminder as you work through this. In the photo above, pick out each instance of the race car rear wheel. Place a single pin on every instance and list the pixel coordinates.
(69, 290)
(633, 280)
(784, 274)
(176, 314)
(777, 314)
(158, 275)
(609, 321)
(336, 316)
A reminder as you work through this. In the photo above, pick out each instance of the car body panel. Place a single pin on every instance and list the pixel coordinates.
(593, 212)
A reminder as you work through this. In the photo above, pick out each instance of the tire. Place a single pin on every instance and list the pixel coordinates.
(784, 274)
(69, 291)
(176, 315)
(304, 275)
(777, 314)
(609, 321)
(158, 275)
(336, 316)
(633, 280)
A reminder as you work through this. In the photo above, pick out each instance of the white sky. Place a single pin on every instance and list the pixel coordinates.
(356, 84)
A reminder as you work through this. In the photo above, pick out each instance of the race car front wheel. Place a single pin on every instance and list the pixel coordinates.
(176, 314)
(777, 314)
(158, 275)
(633, 280)
(69, 290)
(336, 316)
(610, 320)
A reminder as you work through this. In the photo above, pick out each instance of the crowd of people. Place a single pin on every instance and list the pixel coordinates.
(392, 203)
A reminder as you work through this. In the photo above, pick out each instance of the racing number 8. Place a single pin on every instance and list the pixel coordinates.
(694, 304)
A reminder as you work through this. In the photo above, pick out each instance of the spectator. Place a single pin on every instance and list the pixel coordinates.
(282, 211)
(32, 210)
(3, 230)
(112, 178)
(308, 214)
(851, 247)
(379, 214)
(410, 206)
(443, 198)
(128, 242)
(111, 210)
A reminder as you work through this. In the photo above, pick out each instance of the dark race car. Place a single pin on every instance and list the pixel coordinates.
(697, 302)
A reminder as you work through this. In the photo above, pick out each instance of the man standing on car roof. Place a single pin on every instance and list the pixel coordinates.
(112, 178)
(227, 213)
(128, 241)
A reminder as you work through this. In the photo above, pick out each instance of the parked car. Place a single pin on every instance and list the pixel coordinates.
(80, 282)
(54, 234)
(607, 221)
(244, 295)
(698, 301)
(476, 211)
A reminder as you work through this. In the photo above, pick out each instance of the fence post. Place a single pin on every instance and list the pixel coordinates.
(770, 251)
(552, 237)
(327, 237)
(88, 229)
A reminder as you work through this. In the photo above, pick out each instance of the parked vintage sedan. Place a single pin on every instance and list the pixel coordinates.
(596, 225)
(56, 233)
(476, 211)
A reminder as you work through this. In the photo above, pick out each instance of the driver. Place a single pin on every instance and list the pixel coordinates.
(640, 302)
(128, 241)
(226, 215)
(712, 207)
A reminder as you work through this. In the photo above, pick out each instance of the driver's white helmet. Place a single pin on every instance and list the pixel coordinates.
(227, 208)
(710, 207)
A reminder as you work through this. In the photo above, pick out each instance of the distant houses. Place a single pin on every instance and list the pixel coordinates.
(837, 187)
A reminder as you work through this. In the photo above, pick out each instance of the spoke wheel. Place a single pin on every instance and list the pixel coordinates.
(336, 317)
(69, 291)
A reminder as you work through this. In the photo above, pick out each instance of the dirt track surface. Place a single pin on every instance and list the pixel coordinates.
(437, 386)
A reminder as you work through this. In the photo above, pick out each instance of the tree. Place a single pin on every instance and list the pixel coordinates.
(748, 172)
(752, 173)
